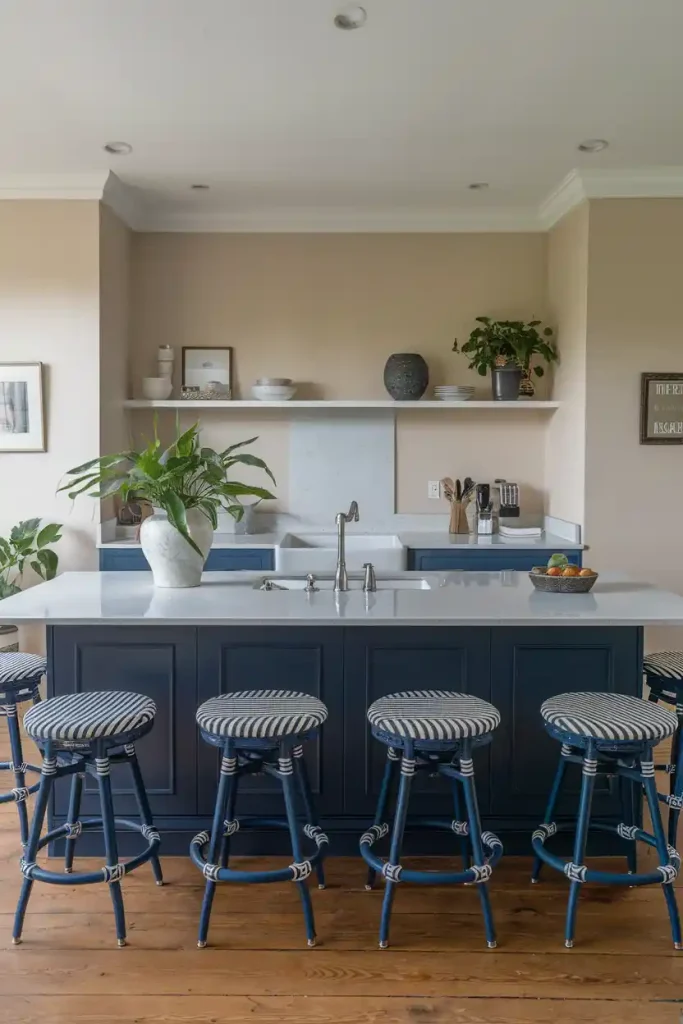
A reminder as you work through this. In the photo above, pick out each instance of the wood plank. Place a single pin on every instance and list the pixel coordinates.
(332, 1010)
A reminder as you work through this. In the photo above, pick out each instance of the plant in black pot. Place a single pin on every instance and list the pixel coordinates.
(507, 348)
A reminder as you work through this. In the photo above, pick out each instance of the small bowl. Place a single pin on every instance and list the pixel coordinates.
(277, 382)
(561, 584)
(157, 388)
(272, 392)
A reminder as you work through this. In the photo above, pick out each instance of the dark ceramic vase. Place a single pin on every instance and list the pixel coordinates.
(406, 376)
(505, 381)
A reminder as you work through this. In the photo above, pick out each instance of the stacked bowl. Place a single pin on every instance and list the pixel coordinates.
(273, 389)
(453, 392)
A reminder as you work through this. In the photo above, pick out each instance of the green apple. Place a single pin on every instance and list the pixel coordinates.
(556, 561)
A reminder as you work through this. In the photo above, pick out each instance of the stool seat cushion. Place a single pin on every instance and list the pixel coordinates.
(261, 714)
(16, 667)
(433, 715)
(89, 716)
(608, 716)
(664, 665)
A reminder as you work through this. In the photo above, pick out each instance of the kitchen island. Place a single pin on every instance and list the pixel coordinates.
(489, 634)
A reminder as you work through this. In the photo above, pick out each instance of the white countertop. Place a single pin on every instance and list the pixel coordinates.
(229, 598)
(434, 539)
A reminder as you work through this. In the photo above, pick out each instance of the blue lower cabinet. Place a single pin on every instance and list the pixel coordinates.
(482, 560)
(220, 559)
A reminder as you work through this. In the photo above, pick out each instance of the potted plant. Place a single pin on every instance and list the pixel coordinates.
(507, 347)
(186, 485)
(28, 542)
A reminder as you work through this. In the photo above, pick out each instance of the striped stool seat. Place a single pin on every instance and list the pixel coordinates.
(433, 715)
(84, 717)
(20, 676)
(664, 665)
(83, 734)
(664, 674)
(611, 735)
(261, 714)
(608, 717)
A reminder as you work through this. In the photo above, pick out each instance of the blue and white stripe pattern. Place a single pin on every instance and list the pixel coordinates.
(89, 716)
(613, 717)
(433, 715)
(16, 667)
(261, 714)
(664, 665)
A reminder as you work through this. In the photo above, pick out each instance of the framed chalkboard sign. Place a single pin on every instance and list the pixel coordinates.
(661, 408)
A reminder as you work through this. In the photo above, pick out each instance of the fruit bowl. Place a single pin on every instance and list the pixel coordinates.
(561, 584)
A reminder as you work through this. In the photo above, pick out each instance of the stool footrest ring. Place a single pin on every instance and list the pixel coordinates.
(107, 873)
(297, 872)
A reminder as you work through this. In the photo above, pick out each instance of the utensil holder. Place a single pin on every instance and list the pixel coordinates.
(458, 520)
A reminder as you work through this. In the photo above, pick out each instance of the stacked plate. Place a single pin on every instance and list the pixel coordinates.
(453, 392)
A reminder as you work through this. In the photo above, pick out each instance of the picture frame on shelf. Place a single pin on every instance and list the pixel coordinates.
(209, 368)
(661, 408)
(22, 415)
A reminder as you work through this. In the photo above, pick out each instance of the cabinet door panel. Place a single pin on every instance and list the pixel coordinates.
(304, 660)
(483, 559)
(530, 665)
(382, 661)
(159, 662)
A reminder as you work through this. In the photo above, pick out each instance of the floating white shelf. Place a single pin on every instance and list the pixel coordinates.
(524, 405)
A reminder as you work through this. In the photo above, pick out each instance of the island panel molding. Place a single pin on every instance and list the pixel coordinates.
(661, 408)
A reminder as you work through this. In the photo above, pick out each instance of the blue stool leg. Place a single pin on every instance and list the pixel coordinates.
(676, 777)
(392, 870)
(18, 763)
(648, 770)
(72, 820)
(457, 808)
(629, 810)
(230, 823)
(467, 769)
(144, 809)
(301, 772)
(286, 773)
(114, 869)
(393, 757)
(31, 851)
(576, 870)
(550, 809)
(228, 775)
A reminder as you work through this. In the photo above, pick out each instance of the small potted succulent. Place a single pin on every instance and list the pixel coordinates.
(186, 485)
(28, 543)
(507, 348)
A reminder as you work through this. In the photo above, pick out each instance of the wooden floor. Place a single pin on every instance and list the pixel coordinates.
(257, 968)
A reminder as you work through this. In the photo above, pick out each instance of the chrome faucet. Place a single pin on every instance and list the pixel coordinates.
(370, 581)
(341, 579)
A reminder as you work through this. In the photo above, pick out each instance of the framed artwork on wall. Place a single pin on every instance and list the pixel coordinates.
(22, 420)
(202, 366)
(661, 408)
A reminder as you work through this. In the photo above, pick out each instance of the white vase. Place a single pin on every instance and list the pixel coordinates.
(172, 561)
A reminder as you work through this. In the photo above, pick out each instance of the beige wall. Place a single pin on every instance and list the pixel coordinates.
(327, 310)
(567, 304)
(115, 253)
(634, 492)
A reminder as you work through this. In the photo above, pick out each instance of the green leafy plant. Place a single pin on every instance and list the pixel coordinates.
(499, 342)
(184, 476)
(27, 542)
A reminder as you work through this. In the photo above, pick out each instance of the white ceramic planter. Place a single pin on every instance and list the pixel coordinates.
(172, 561)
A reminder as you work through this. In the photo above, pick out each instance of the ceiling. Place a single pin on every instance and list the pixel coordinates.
(286, 117)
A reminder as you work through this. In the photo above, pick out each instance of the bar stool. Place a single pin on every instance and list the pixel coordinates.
(86, 733)
(664, 673)
(612, 734)
(20, 676)
(432, 731)
(260, 731)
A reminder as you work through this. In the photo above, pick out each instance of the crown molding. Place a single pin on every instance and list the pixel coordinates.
(53, 186)
(338, 220)
(579, 185)
(568, 194)
(126, 201)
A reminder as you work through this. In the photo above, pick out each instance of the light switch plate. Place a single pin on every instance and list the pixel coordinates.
(434, 489)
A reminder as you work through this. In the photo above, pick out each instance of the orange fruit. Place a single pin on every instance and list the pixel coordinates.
(587, 572)
(571, 570)
(554, 570)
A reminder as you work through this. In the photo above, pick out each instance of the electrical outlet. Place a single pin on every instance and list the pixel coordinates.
(434, 489)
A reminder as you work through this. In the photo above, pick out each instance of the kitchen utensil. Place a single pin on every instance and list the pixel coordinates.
(562, 584)
(458, 491)
(448, 488)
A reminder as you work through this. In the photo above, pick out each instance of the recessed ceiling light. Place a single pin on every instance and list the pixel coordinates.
(350, 18)
(477, 186)
(200, 187)
(118, 148)
(592, 145)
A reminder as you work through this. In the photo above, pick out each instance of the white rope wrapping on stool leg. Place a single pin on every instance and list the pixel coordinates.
(298, 751)
(392, 872)
(590, 766)
(668, 873)
(201, 839)
(490, 839)
(73, 829)
(20, 794)
(102, 765)
(113, 872)
(10, 710)
(461, 828)
(481, 873)
(565, 750)
(407, 765)
(285, 766)
(130, 749)
(301, 871)
(674, 801)
(150, 833)
(49, 766)
(647, 769)
(315, 833)
(210, 871)
(544, 831)
(27, 867)
(228, 766)
(466, 767)
(17, 768)
(230, 827)
(627, 831)
(393, 754)
(374, 833)
(575, 872)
